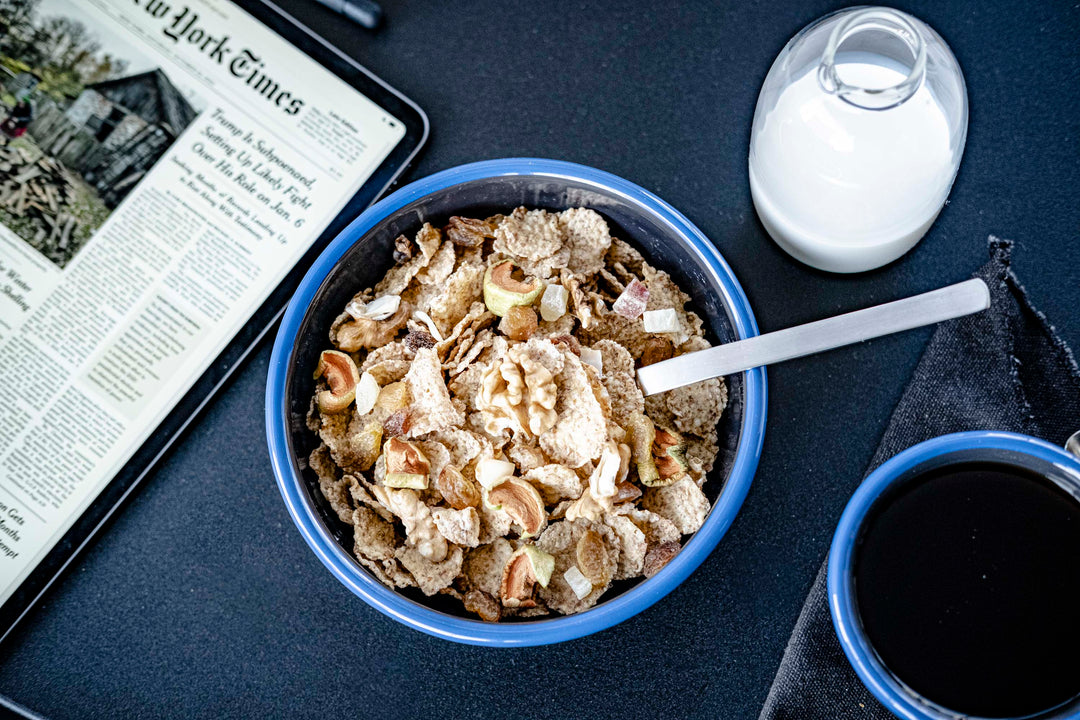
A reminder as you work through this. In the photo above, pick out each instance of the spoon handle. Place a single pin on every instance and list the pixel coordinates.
(928, 308)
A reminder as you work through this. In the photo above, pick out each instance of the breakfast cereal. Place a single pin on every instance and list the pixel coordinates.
(481, 428)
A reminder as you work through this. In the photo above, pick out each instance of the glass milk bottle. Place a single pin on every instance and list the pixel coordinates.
(857, 136)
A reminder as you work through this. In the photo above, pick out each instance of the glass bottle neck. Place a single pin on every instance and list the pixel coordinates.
(883, 32)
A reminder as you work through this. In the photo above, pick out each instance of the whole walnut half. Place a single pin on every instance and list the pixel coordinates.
(518, 393)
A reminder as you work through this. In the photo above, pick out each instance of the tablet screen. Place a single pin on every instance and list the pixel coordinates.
(163, 166)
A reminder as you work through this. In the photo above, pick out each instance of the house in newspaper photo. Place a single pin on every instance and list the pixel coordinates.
(79, 126)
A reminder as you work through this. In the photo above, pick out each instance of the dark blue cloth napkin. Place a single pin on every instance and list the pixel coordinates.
(1003, 369)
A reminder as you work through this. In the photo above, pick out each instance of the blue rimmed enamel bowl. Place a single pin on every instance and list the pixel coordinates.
(361, 255)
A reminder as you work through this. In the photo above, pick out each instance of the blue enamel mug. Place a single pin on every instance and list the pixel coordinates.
(1022, 452)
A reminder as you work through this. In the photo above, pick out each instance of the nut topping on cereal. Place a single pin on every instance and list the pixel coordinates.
(366, 333)
(519, 394)
(341, 375)
(502, 290)
(643, 435)
(669, 454)
(406, 465)
(522, 502)
(481, 428)
(525, 569)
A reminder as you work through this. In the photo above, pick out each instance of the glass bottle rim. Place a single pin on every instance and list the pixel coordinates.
(881, 19)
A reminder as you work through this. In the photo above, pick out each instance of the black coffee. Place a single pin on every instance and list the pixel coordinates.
(967, 580)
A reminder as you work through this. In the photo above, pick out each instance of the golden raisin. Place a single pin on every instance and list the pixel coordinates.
(468, 232)
(519, 323)
(458, 492)
(656, 350)
(479, 602)
(659, 556)
(591, 552)
(397, 424)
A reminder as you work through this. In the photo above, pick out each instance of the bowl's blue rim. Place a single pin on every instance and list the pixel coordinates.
(840, 583)
(475, 632)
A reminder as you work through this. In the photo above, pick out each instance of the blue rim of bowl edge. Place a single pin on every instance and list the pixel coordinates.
(476, 632)
(840, 585)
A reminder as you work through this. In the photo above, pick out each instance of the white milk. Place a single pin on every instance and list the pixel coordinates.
(847, 189)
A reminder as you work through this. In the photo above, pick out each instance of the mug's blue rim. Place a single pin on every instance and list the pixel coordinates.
(475, 632)
(840, 584)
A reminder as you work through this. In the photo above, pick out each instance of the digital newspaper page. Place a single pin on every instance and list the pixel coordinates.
(163, 165)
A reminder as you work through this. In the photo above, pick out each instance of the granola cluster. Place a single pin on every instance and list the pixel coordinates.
(481, 426)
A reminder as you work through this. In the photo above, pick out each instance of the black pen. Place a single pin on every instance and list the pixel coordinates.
(364, 12)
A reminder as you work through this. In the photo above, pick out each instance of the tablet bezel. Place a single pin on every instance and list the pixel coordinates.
(150, 453)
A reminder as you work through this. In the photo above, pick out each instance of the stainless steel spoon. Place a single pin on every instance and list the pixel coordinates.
(928, 308)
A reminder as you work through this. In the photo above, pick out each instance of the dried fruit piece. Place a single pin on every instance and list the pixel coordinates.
(633, 300)
(482, 604)
(519, 323)
(367, 392)
(526, 568)
(468, 232)
(589, 356)
(656, 349)
(406, 465)
(659, 556)
(393, 397)
(341, 374)
(502, 290)
(553, 302)
(578, 582)
(417, 339)
(669, 455)
(404, 248)
(458, 491)
(591, 553)
(521, 501)
(661, 321)
(625, 492)
(368, 444)
(398, 423)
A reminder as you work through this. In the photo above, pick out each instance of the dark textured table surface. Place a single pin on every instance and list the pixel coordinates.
(202, 600)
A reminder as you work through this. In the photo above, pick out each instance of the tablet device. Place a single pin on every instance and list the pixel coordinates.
(168, 170)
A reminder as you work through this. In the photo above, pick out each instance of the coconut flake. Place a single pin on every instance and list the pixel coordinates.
(490, 472)
(633, 300)
(661, 321)
(578, 582)
(367, 392)
(592, 357)
(602, 480)
(378, 309)
(423, 317)
(553, 302)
